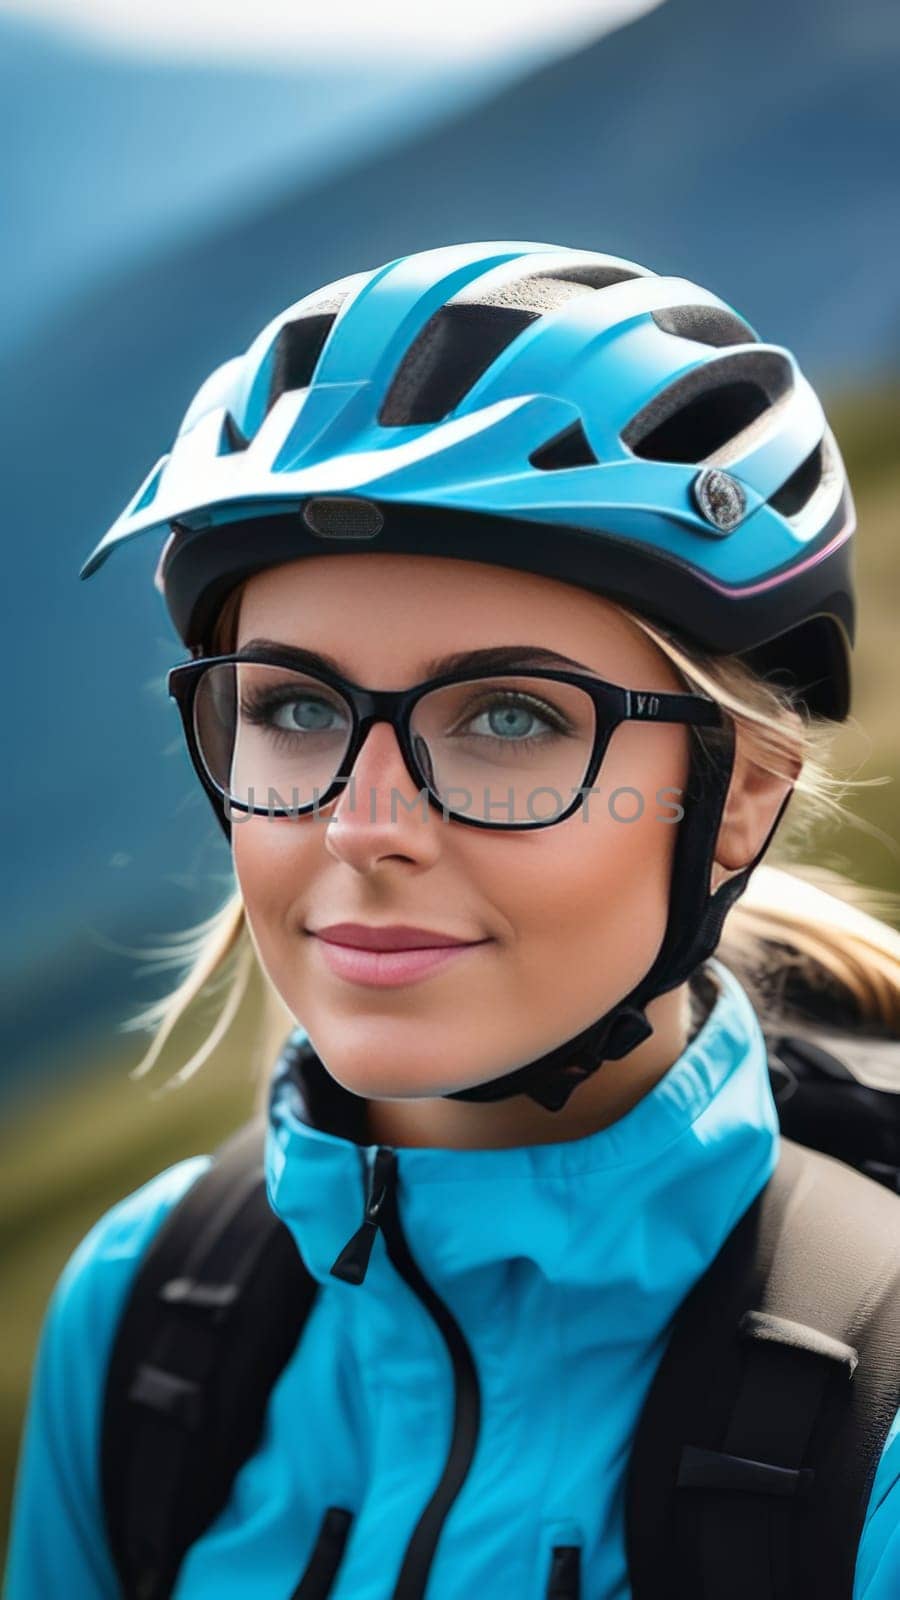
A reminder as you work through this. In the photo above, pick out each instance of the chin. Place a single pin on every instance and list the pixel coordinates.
(387, 1061)
(375, 1078)
(376, 1085)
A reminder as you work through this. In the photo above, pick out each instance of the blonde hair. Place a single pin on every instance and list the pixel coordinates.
(806, 923)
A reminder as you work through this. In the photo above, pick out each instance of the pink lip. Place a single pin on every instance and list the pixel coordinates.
(397, 936)
(391, 956)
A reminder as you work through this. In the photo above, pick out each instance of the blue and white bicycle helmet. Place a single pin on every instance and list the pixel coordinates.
(560, 411)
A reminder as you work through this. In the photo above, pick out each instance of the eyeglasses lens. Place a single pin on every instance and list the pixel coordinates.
(501, 750)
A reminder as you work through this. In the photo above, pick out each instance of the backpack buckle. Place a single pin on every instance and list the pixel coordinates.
(167, 1393)
(715, 1469)
(763, 1327)
(215, 1299)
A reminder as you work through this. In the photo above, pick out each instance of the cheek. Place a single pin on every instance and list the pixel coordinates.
(591, 895)
(273, 861)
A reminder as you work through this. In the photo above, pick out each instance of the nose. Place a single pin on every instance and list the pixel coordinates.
(381, 813)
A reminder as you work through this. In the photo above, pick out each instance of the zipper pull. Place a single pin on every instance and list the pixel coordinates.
(564, 1582)
(352, 1263)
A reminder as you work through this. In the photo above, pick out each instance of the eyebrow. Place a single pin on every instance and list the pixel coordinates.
(489, 659)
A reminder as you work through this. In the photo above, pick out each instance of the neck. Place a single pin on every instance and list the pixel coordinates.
(600, 1100)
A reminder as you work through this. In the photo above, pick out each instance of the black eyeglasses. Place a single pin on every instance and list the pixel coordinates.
(503, 749)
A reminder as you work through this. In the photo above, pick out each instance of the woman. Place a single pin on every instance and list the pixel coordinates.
(491, 785)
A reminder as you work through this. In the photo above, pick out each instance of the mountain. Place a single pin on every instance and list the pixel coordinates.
(687, 140)
(103, 154)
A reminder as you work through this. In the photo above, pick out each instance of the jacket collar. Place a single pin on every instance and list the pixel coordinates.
(652, 1196)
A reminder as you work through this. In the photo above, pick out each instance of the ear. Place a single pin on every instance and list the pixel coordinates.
(752, 804)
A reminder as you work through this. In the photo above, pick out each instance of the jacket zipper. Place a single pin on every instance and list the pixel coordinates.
(321, 1569)
(381, 1210)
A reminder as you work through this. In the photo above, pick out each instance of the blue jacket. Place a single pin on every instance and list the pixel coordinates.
(561, 1264)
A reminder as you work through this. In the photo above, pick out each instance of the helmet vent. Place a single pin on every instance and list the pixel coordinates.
(232, 438)
(453, 349)
(799, 488)
(541, 292)
(707, 408)
(705, 325)
(296, 354)
(461, 340)
(567, 449)
(594, 274)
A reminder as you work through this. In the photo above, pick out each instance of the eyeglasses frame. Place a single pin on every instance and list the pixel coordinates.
(396, 706)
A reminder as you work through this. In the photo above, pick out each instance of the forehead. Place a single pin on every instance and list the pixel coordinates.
(381, 615)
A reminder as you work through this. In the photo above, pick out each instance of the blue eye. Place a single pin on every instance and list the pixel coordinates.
(287, 710)
(307, 714)
(509, 722)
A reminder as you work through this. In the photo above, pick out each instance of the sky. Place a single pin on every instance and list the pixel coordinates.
(281, 29)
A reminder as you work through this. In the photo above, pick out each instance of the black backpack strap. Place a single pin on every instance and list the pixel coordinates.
(755, 1453)
(214, 1312)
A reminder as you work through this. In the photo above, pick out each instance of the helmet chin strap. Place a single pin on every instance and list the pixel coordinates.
(693, 930)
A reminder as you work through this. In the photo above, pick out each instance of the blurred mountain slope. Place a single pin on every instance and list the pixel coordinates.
(102, 152)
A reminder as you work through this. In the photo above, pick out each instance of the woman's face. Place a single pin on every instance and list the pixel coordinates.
(560, 922)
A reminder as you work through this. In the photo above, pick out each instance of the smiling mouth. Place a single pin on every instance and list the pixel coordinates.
(391, 968)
